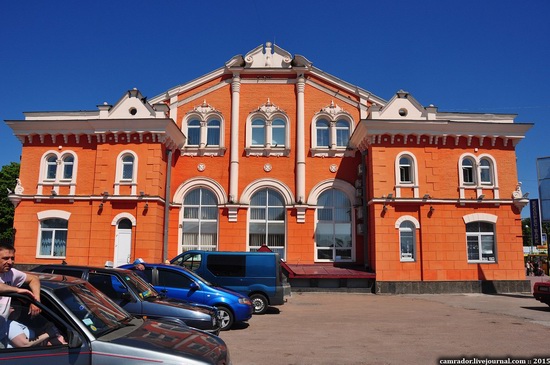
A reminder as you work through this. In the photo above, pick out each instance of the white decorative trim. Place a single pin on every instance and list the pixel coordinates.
(342, 185)
(267, 167)
(119, 170)
(53, 213)
(333, 168)
(414, 183)
(279, 186)
(197, 182)
(121, 216)
(407, 218)
(201, 167)
(476, 217)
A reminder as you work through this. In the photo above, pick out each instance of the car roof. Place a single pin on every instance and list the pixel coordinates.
(55, 281)
(84, 268)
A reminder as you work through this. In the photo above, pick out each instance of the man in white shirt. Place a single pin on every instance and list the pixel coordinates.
(10, 281)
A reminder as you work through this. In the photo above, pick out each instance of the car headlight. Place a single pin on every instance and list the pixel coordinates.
(245, 301)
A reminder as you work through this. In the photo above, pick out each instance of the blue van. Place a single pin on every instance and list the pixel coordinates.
(257, 275)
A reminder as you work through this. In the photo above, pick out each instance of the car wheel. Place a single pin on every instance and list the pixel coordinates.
(226, 318)
(259, 302)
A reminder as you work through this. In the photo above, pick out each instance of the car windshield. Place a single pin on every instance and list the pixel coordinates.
(197, 276)
(93, 308)
(139, 286)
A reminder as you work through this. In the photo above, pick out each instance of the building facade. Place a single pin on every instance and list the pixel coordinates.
(269, 150)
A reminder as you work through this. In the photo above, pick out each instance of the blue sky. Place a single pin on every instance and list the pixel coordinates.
(470, 56)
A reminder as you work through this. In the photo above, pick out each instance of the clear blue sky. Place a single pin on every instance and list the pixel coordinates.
(470, 56)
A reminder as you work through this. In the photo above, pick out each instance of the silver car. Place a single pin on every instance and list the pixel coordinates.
(84, 326)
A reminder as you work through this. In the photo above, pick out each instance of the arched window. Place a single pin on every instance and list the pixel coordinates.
(213, 133)
(485, 171)
(323, 133)
(68, 165)
(278, 133)
(193, 132)
(407, 241)
(258, 132)
(342, 133)
(468, 176)
(53, 238)
(333, 236)
(127, 167)
(480, 238)
(406, 170)
(267, 221)
(200, 220)
(51, 167)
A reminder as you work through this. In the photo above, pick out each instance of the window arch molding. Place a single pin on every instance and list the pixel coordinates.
(274, 136)
(276, 185)
(475, 217)
(54, 213)
(122, 216)
(58, 171)
(338, 184)
(401, 181)
(407, 218)
(197, 182)
(210, 141)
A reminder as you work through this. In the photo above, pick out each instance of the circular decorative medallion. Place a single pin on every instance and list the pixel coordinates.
(201, 167)
(267, 167)
(333, 168)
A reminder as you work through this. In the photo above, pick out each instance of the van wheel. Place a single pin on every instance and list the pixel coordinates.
(226, 318)
(259, 302)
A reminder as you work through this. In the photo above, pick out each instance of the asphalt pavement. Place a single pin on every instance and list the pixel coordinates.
(347, 328)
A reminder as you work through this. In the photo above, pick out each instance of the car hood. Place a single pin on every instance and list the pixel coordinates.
(191, 305)
(165, 338)
(185, 305)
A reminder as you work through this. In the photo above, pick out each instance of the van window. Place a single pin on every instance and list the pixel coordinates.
(227, 265)
(191, 261)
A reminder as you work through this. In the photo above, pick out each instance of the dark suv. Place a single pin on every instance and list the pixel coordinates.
(138, 297)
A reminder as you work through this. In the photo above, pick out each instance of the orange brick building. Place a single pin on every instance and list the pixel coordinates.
(268, 149)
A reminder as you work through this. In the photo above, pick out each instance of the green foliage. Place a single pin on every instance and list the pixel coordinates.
(8, 176)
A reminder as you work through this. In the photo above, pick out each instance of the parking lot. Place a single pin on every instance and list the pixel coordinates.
(346, 328)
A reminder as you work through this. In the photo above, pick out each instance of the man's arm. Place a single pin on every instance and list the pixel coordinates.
(7, 289)
(34, 284)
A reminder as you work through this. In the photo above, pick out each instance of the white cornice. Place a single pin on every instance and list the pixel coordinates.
(164, 130)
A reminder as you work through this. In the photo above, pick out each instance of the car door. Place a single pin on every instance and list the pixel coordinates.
(55, 352)
(175, 284)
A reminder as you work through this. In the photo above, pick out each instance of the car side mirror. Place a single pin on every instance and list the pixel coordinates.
(126, 296)
(194, 286)
(73, 339)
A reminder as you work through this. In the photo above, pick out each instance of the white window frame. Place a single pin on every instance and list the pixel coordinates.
(49, 185)
(119, 178)
(52, 214)
(481, 218)
(478, 184)
(205, 114)
(282, 250)
(398, 225)
(333, 149)
(413, 172)
(199, 221)
(269, 148)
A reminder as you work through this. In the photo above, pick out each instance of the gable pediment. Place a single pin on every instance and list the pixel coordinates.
(268, 56)
(132, 105)
(402, 106)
